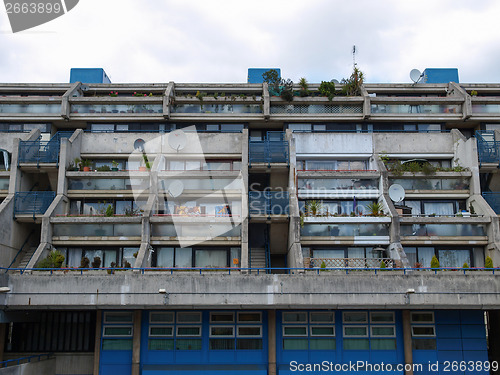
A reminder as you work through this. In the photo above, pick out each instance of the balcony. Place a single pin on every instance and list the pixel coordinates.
(337, 188)
(268, 152)
(416, 108)
(488, 148)
(36, 152)
(376, 232)
(32, 203)
(224, 109)
(314, 109)
(116, 108)
(432, 184)
(352, 262)
(443, 230)
(267, 203)
(84, 228)
(30, 108)
(493, 200)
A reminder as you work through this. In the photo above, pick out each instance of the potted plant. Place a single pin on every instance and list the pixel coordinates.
(146, 166)
(96, 263)
(115, 166)
(86, 164)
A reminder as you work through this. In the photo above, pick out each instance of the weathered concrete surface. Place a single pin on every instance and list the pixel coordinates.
(335, 289)
(45, 367)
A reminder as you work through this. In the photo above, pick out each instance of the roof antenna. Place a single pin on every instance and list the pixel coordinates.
(354, 56)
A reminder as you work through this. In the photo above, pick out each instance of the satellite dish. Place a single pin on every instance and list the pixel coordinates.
(177, 139)
(139, 144)
(176, 188)
(336, 81)
(84, 88)
(415, 75)
(396, 193)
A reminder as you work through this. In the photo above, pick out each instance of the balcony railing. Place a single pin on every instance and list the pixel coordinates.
(493, 200)
(31, 108)
(297, 109)
(39, 151)
(97, 230)
(432, 183)
(268, 203)
(344, 230)
(196, 230)
(116, 108)
(415, 108)
(217, 108)
(268, 151)
(4, 183)
(33, 202)
(446, 230)
(352, 262)
(488, 148)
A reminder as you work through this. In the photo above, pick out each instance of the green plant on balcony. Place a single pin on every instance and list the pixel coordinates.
(113, 93)
(435, 262)
(145, 160)
(488, 262)
(54, 260)
(473, 93)
(374, 209)
(313, 208)
(109, 211)
(382, 264)
(304, 88)
(85, 262)
(115, 165)
(327, 88)
(86, 164)
(104, 168)
(465, 265)
(132, 212)
(352, 86)
(96, 263)
(286, 87)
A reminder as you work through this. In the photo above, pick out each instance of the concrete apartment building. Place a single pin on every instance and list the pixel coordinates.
(256, 235)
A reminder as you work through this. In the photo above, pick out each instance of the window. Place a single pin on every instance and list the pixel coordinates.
(222, 317)
(208, 257)
(161, 317)
(448, 257)
(117, 330)
(118, 317)
(249, 317)
(189, 317)
(378, 335)
(331, 165)
(422, 327)
(423, 331)
(225, 334)
(315, 333)
(422, 317)
(184, 334)
(381, 317)
(355, 331)
(354, 317)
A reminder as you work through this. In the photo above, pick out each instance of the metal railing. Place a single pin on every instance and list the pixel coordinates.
(33, 202)
(20, 361)
(488, 148)
(268, 151)
(21, 249)
(268, 203)
(352, 262)
(264, 270)
(493, 199)
(39, 151)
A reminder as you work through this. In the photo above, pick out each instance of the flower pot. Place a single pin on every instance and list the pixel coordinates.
(143, 169)
(86, 169)
(114, 169)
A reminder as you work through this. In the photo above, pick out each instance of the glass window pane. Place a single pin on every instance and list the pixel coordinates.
(322, 317)
(192, 165)
(188, 331)
(454, 258)
(222, 317)
(439, 208)
(161, 344)
(221, 344)
(355, 317)
(249, 344)
(211, 258)
(355, 331)
(422, 317)
(165, 257)
(221, 331)
(117, 331)
(110, 344)
(423, 331)
(294, 331)
(383, 331)
(176, 165)
(323, 344)
(381, 317)
(161, 331)
(249, 317)
(188, 317)
(323, 331)
(356, 344)
(383, 344)
(191, 344)
(295, 317)
(249, 331)
(183, 257)
(425, 255)
(161, 317)
(295, 344)
(118, 317)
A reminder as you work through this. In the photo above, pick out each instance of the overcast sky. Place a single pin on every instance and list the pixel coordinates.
(218, 40)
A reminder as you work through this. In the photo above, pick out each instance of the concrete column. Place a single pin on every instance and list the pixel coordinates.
(494, 336)
(3, 329)
(136, 343)
(97, 345)
(407, 340)
(271, 336)
(244, 261)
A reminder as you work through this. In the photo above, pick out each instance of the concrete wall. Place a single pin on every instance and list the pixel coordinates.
(123, 143)
(412, 143)
(333, 143)
(333, 290)
(45, 367)
(74, 364)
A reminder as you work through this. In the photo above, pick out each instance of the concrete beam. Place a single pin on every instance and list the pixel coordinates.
(314, 289)
(168, 99)
(267, 101)
(65, 105)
